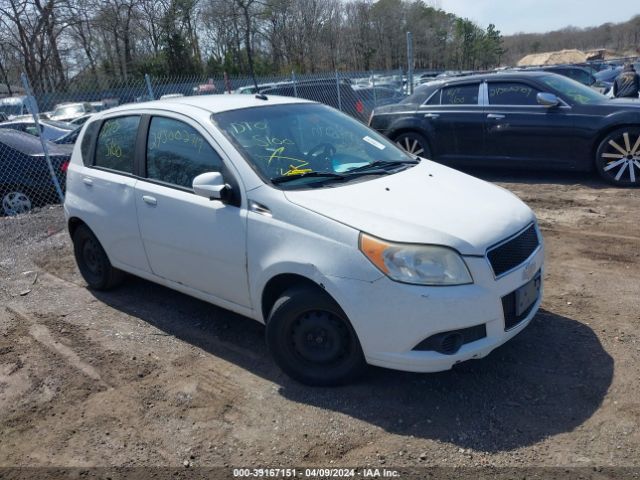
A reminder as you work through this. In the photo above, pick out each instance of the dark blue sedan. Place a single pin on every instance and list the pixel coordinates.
(25, 178)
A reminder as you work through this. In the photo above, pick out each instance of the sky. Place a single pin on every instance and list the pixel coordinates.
(512, 16)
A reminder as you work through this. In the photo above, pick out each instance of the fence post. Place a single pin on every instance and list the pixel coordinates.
(33, 108)
(373, 85)
(409, 63)
(295, 83)
(227, 83)
(338, 90)
(147, 79)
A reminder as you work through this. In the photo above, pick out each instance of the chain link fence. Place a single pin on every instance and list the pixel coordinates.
(38, 129)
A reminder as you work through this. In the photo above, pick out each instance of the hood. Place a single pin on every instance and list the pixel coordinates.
(427, 204)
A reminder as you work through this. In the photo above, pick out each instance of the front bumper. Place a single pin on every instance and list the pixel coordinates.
(391, 318)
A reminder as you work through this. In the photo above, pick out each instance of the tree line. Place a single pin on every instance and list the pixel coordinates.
(58, 42)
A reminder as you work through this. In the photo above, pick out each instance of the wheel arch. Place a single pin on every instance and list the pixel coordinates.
(602, 134)
(73, 223)
(278, 284)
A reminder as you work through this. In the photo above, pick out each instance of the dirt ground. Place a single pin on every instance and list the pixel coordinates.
(144, 376)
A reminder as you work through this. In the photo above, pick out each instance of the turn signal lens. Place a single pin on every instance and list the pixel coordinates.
(374, 248)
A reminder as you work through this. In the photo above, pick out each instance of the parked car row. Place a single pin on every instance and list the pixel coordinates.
(514, 118)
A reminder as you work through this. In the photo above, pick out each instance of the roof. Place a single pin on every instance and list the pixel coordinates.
(12, 100)
(28, 144)
(213, 103)
(508, 75)
(553, 58)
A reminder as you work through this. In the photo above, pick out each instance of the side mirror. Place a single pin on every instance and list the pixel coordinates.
(211, 185)
(548, 100)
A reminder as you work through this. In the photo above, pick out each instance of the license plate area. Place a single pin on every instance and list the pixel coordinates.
(518, 304)
(526, 295)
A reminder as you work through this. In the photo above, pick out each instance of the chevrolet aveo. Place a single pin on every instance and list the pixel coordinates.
(350, 250)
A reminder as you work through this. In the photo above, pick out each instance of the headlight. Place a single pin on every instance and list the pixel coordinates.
(416, 264)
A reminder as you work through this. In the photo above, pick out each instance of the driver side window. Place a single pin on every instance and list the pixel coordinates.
(177, 153)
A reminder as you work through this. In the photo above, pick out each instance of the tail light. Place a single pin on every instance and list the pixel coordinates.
(64, 166)
(359, 106)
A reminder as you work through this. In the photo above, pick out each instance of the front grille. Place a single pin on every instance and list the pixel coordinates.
(508, 255)
(448, 343)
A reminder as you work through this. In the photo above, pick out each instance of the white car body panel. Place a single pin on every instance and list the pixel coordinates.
(213, 258)
(107, 203)
(227, 254)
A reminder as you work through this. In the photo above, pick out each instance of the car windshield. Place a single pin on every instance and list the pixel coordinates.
(574, 91)
(309, 142)
(68, 110)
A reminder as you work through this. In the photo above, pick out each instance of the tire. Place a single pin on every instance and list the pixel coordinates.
(93, 263)
(414, 143)
(15, 202)
(618, 157)
(311, 339)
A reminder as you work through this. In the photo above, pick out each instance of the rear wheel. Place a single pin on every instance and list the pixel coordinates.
(93, 263)
(414, 143)
(311, 339)
(15, 203)
(618, 157)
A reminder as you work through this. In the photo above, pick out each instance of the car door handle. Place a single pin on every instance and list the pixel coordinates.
(87, 181)
(432, 115)
(495, 116)
(148, 199)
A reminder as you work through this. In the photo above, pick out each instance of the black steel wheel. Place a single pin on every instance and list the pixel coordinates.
(93, 263)
(414, 143)
(618, 157)
(311, 339)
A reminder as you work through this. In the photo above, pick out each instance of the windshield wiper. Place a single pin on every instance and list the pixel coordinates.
(296, 176)
(380, 165)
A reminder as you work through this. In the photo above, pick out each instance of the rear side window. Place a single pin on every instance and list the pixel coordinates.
(177, 153)
(116, 144)
(511, 93)
(460, 95)
(88, 140)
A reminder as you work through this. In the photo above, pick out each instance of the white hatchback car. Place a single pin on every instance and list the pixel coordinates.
(302, 218)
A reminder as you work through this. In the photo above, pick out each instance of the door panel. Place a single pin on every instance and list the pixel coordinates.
(108, 201)
(456, 126)
(189, 239)
(519, 131)
(110, 211)
(194, 241)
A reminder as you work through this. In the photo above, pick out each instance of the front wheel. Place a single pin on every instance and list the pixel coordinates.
(414, 143)
(618, 157)
(311, 339)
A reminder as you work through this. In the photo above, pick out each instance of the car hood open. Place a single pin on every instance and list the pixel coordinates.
(426, 204)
